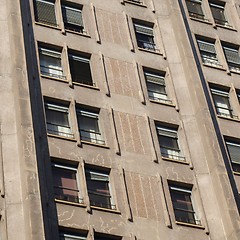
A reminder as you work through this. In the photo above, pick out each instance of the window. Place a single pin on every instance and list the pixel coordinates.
(182, 204)
(195, 8)
(168, 141)
(217, 10)
(80, 69)
(234, 154)
(222, 104)
(72, 235)
(65, 183)
(232, 57)
(51, 63)
(99, 236)
(208, 52)
(99, 189)
(135, 1)
(57, 120)
(89, 127)
(156, 87)
(72, 18)
(145, 37)
(45, 12)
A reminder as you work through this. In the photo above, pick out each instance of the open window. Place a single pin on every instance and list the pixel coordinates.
(156, 86)
(182, 204)
(88, 124)
(234, 154)
(80, 69)
(51, 63)
(208, 52)
(222, 103)
(72, 18)
(168, 141)
(144, 36)
(98, 187)
(65, 183)
(57, 120)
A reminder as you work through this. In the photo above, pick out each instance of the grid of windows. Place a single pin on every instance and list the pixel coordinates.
(234, 154)
(145, 37)
(99, 189)
(156, 87)
(222, 103)
(168, 141)
(71, 15)
(182, 204)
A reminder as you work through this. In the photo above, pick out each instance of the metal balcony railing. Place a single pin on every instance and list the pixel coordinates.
(52, 72)
(64, 132)
(91, 136)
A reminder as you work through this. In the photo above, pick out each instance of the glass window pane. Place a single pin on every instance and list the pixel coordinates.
(65, 184)
(98, 191)
(80, 72)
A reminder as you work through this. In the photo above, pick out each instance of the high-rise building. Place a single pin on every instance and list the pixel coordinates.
(119, 120)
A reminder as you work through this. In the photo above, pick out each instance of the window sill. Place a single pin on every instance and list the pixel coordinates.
(70, 203)
(234, 71)
(190, 225)
(95, 144)
(106, 209)
(228, 118)
(220, 67)
(175, 160)
(229, 27)
(150, 51)
(201, 20)
(163, 103)
(48, 25)
(236, 173)
(141, 4)
(54, 78)
(62, 137)
(77, 33)
(86, 86)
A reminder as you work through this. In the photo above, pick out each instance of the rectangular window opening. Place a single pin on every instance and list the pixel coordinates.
(208, 52)
(65, 183)
(232, 57)
(88, 123)
(234, 154)
(80, 69)
(217, 10)
(45, 12)
(51, 63)
(145, 37)
(156, 87)
(195, 9)
(72, 18)
(99, 189)
(182, 204)
(222, 103)
(57, 120)
(168, 141)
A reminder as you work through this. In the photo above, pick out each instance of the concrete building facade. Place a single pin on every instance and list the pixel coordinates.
(120, 119)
